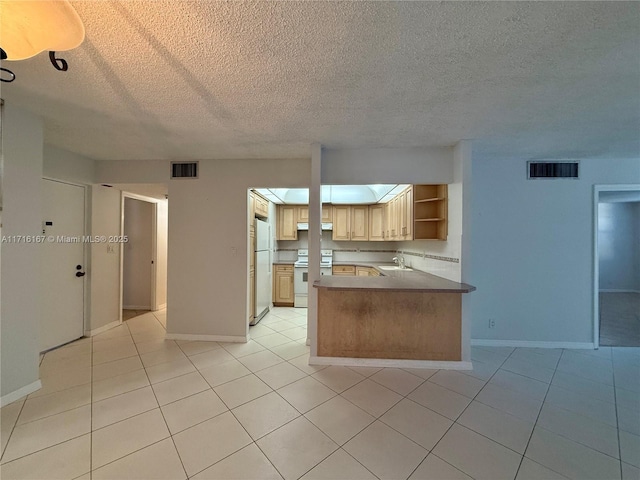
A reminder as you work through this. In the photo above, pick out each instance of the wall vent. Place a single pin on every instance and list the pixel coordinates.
(184, 169)
(552, 170)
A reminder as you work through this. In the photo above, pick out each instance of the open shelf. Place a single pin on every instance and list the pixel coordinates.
(430, 212)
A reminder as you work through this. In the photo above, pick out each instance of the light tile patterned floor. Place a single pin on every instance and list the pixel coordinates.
(128, 404)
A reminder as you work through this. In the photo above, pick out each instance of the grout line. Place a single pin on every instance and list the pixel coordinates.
(159, 407)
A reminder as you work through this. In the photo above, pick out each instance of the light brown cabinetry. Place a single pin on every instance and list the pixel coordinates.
(366, 272)
(252, 273)
(287, 222)
(344, 270)
(283, 285)
(351, 222)
(430, 212)
(261, 206)
(376, 222)
(303, 213)
(405, 217)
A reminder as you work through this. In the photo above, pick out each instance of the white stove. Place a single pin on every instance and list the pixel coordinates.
(301, 274)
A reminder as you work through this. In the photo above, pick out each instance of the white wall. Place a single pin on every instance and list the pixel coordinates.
(208, 247)
(162, 231)
(104, 271)
(138, 254)
(387, 165)
(63, 165)
(532, 250)
(19, 277)
(619, 246)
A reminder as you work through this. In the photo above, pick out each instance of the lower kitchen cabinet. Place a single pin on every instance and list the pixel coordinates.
(344, 270)
(283, 285)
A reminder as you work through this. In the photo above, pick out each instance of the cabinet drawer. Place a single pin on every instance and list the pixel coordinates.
(283, 268)
(344, 270)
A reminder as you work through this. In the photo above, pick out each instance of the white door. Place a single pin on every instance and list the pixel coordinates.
(62, 316)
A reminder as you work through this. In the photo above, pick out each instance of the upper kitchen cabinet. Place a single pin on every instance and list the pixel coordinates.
(261, 206)
(430, 212)
(287, 222)
(303, 213)
(376, 222)
(351, 222)
(405, 220)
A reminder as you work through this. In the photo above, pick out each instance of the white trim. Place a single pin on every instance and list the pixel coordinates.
(208, 338)
(388, 362)
(138, 307)
(21, 392)
(161, 307)
(481, 342)
(596, 267)
(104, 328)
(617, 290)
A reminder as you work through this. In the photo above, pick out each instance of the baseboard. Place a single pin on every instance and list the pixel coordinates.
(617, 290)
(390, 363)
(479, 342)
(104, 328)
(161, 307)
(208, 338)
(137, 307)
(21, 392)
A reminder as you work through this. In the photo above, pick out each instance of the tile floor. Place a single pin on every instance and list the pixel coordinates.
(620, 319)
(128, 404)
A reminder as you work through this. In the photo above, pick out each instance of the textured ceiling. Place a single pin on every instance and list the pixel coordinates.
(210, 79)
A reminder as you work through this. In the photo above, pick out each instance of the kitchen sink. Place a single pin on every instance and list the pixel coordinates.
(394, 267)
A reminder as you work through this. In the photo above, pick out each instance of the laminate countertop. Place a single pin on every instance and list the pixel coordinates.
(392, 280)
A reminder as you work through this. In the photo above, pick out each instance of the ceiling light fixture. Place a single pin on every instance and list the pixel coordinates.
(28, 27)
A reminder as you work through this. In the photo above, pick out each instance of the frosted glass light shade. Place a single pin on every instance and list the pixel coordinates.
(28, 27)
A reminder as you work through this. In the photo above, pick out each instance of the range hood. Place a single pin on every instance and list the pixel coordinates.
(325, 226)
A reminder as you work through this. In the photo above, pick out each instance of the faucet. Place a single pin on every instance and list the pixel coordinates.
(400, 261)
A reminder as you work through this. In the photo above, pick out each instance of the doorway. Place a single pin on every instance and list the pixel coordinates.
(144, 254)
(63, 263)
(617, 266)
(137, 270)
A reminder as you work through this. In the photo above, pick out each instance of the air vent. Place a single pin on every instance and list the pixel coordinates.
(552, 169)
(184, 169)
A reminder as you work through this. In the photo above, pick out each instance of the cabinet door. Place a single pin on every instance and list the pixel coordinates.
(327, 211)
(283, 288)
(303, 213)
(408, 214)
(360, 222)
(252, 294)
(362, 271)
(262, 207)
(341, 222)
(387, 221)
(287, 225)
(376, 222)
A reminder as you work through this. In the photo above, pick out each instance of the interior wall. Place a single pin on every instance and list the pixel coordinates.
(532, 250)
(619, 246)
(137, 254)
(162, 237)
(104, 271)
(208, 250)
(387, 165)
(22, 140)
(61, 164)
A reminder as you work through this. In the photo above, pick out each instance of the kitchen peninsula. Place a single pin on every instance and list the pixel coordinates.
(402, 314)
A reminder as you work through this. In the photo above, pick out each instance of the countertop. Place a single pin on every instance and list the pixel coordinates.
(394, 280)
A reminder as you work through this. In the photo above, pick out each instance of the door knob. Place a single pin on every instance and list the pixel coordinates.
(80, 274)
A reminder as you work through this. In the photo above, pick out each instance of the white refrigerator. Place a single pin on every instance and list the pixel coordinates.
(263, 269)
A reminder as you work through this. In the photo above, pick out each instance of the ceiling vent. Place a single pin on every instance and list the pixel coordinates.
(184, 169)
(552, 170)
